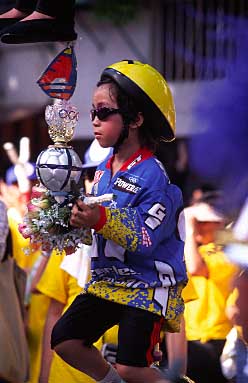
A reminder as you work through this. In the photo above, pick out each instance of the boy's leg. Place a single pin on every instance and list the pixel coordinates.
(82, 324)
(139, 333)
(96, 366)
(86, 359)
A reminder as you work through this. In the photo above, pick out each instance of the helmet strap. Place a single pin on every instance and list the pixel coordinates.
(123, 135)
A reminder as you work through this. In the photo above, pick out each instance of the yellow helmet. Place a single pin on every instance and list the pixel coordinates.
(151, 93)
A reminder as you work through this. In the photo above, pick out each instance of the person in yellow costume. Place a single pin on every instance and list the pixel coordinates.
(16, 193)
(211, 273)
(24, 254)
(28, 257)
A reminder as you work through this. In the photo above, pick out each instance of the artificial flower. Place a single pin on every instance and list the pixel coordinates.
(24, 230)
(38, 191)
(47, 222)
(42, 203)
(33, 208)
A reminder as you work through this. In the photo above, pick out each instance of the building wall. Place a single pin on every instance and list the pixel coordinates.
(99, 43)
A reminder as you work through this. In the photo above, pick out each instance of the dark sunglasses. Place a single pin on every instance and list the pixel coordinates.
(103, 113)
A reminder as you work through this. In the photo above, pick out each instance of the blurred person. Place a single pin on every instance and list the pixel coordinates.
(36, 304)
(236, 241)
(29, 258)
(241, 322)
(4, 229)
(176, 348)
(138, 271)
(16, 192)
(237, 249)
(33, 21)
(20, 178)
(212, 274)
(203, 191)
(226, 134)
(234, 358)
(14, 364)
(37, 308)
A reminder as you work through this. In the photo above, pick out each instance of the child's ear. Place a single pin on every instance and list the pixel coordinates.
(138, 122)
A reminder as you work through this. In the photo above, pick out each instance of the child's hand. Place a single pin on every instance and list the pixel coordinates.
(83, 215)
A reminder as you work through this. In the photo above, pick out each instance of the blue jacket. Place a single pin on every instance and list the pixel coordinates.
(137, 251)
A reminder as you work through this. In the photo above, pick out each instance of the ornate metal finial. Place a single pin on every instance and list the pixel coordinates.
(62, 119)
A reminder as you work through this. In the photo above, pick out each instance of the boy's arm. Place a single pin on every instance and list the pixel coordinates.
(135, 228)
(141, 228)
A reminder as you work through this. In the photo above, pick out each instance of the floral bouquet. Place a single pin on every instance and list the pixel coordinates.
(47, 222)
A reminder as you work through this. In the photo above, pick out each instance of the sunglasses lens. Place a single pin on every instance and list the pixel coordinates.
(102, 113)
(92, 114)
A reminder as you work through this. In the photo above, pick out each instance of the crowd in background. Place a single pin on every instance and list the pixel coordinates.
(210, 311)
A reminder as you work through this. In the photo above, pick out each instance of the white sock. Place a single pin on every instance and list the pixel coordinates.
(111, 377)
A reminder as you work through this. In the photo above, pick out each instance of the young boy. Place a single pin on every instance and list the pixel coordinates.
(138, 270)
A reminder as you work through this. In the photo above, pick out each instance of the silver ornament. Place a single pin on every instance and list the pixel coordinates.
(59, 164)
(56, 167)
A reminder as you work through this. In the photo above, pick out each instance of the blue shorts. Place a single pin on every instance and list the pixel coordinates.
(89, 317)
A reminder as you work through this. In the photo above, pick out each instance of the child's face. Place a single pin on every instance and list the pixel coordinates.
(108, 130)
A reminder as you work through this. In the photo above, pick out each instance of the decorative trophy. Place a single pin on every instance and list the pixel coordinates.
(59, 164)
(59, 167)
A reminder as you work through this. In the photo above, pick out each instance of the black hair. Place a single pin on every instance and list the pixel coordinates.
(89, 173)
(211, 197)
(130, 112)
